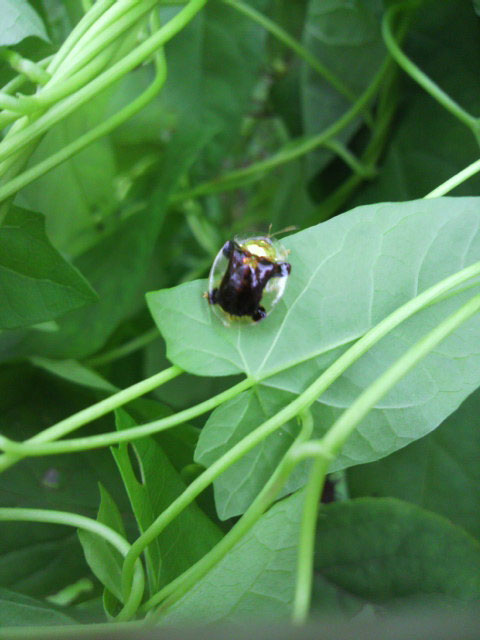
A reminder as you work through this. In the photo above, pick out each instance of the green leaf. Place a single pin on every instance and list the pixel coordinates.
(236, 487)
(103, 559)
(254, 581)
(75, 372)
(439, 472)
(17, 610)
(345, 36)
(139, 494)
(347, 274)
(87, 182)
(184, 391)
(37, 283)
(387, 551)
(19, 21)
(57, 20)
(178, 444)
(152, 484)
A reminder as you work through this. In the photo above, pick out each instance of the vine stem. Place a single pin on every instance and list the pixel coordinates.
(34, 72)
(455, 180)
(343, 427)
(328, 447)
(420, 77)
(88, 20)
(55, 61)
(303, 53)
(18, 81)
(59, 111)
(124, 349)
(95, 411)
(91, 70)
(306, 545)
(13, 104)
(18, 182)
(79, 72)
(290, 152)
(117, 18)
(178, 587)
(30, 448)
(364, 171)
(92, 526)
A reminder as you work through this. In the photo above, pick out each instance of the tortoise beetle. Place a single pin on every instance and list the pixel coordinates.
(247, 279)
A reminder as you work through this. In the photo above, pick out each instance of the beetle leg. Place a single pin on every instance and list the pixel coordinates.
(282, 269)
(227, 248)
(259, 314)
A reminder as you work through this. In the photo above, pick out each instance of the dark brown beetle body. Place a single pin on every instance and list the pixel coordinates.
(241, 288)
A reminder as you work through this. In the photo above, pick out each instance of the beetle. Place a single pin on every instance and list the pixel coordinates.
(251, 266)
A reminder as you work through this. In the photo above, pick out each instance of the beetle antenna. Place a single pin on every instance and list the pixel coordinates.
(292, 227)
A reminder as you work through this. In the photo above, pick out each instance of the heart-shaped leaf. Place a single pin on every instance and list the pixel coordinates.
(19, 21)
(347, 275)
(36, 283)
(383, 550)
(439, 472)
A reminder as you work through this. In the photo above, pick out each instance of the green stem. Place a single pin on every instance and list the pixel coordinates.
(87, 5)
(336, 200)
(419, 76)
(86, 524)
(306, 546)
(127, 435)
(34, 72)
(95, 32)
(18, 182)
(66, 74)
(59, 111)
(7, 116)
(178, 587)
(290, 152)
(335, 438)
(95, 411)
(327, 448)
(294, 45)
(13, 166)
(455, 180)
(25, 122)
(364, 171)
(124, 350)
(34, 105)
(13, 104)
(77, 33)
(386, 106)
(15, 83)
